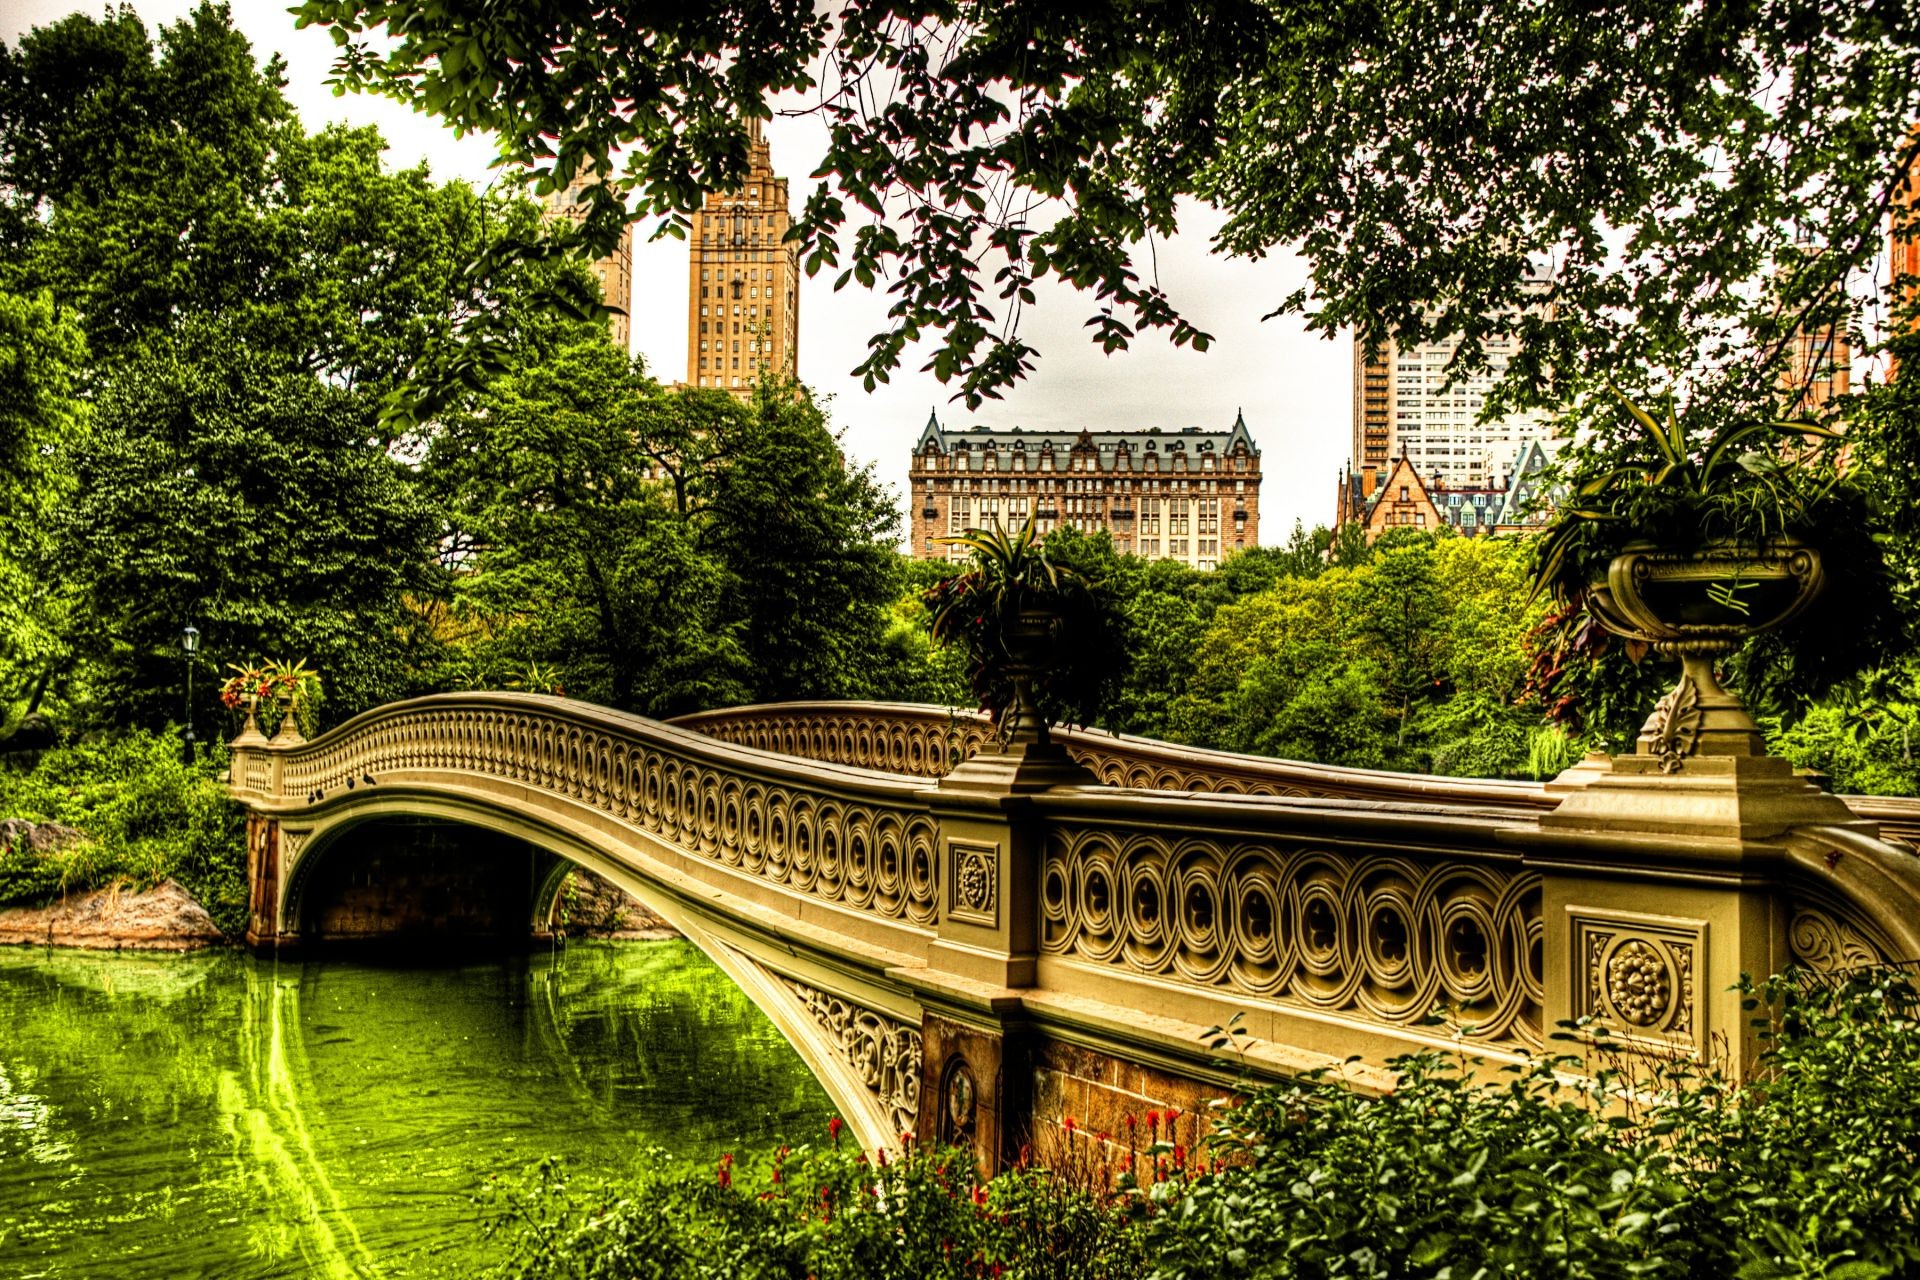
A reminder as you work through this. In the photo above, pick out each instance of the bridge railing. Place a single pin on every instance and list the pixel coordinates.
(926, 741)
(849, 837)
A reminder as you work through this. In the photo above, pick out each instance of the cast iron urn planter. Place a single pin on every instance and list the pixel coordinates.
(1698, 606)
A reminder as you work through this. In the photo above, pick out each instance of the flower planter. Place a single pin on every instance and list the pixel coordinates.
(1696, 606)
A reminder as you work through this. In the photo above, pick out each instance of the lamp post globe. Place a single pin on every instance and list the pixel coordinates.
(189, 645)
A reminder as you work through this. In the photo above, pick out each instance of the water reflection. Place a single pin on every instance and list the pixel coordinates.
(221, 1116)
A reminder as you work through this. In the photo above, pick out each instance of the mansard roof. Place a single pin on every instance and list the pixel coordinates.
(1106, 445)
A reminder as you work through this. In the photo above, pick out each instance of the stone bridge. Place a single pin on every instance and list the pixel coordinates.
(974, 944)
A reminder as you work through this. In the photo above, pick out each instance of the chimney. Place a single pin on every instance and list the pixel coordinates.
(1367, 480)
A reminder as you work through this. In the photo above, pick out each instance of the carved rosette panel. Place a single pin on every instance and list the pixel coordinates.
(872, 856)
(1824, 939)
(1637, 974)
(973, 879)
(886, 1054)
(1378, 937)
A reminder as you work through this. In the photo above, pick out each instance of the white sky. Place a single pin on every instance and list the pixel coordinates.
(1294, 388)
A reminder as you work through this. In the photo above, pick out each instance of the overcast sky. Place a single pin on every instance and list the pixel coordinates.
(1293, 387)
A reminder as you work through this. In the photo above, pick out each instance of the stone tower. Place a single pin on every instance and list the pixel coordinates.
(743, 281)
(615, 271)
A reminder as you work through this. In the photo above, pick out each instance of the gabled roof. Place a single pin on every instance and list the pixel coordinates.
(1527, 466)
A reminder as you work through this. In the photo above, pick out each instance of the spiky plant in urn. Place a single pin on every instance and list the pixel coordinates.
(1689, 544)
(1041, 642)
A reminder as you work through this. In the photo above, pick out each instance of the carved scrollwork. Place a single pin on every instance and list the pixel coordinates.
(1673, 730)
(1374, 936)
(1826, 942)
(886, 1054)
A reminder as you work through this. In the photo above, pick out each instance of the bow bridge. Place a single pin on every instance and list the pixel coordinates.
(974, 943)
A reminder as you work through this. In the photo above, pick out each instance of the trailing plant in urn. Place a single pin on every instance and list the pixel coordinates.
(1691, 541)
(275, 693)
(1040, 639)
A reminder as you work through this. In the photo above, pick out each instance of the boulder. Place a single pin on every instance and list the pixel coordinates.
(163, 918)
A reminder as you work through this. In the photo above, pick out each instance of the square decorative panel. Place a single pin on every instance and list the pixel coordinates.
(1637, 974)
(973, 882)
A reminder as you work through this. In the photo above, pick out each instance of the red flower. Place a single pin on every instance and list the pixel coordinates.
(726, 1170)
(834, 1126)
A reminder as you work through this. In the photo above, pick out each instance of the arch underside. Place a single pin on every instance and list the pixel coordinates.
(858, 1034)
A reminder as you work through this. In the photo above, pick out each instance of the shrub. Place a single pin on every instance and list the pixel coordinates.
(828, 1213)
(1812, 1170)
(147, 814)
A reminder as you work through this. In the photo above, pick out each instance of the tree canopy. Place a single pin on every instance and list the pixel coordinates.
(1691, 182)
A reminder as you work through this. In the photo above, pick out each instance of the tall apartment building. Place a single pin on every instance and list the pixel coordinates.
(1403, 408)
(1188, 495)
(615, 271)
(1903, 246)
(743, 282)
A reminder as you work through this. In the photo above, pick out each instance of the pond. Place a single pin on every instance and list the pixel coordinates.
(221, 1116)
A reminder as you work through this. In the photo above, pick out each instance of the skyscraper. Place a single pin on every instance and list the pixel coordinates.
(615, 271)
(1403, 408)
(743, 282)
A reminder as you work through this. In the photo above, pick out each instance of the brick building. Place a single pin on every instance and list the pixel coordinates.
(1189, 495)
(743, 281)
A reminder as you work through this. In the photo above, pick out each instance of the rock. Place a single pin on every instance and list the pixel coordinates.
(164, 918)
(37, 837)
(34, 733)
(589, 907)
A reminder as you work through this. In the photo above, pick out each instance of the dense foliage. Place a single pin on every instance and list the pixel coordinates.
(1658, 1170)
(146, 816)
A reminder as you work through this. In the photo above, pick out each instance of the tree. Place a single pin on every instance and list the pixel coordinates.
(216, 487)
(41, 360)
(1666, 164)
(807, 542)
(582, 564)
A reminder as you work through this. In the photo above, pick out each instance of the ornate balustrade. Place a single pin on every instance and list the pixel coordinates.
(1336, 908)
(925, 741)
(850, 837)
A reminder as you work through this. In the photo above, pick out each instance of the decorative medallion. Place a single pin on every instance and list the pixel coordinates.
(961, 1102)
(1636, 974)
(975, 894)
(1673, 730)
(1638, 985)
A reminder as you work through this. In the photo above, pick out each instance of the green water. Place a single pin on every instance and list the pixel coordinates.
(217, 1115)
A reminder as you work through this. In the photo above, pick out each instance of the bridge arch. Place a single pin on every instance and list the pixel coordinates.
(858, 1037)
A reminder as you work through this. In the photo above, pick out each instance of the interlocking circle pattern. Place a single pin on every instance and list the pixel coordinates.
(1383, 937)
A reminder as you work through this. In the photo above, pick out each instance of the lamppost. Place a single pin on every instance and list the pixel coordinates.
(189, 645)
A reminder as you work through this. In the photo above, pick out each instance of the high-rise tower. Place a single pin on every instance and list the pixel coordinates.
(615, 271)
(743, 282)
